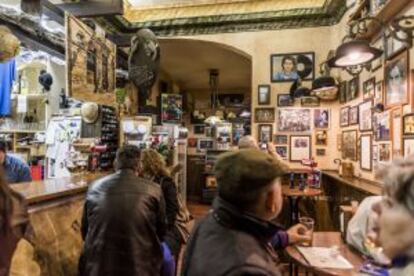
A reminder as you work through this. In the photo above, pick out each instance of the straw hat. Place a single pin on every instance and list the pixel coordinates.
(10, 45)
(90, 112)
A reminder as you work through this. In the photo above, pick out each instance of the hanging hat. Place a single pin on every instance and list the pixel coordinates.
(46, 80)
(297, 90)
(325, 88)
(90, 112)
(9, 46)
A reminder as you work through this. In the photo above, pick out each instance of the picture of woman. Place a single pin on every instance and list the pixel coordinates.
(292, 66)
(288, 69)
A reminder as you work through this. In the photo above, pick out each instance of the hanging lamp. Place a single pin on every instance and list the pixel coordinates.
(213, 82)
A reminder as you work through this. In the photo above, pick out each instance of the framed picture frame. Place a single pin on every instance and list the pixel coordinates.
(284, 100)
(408, 124)
(264, 115)
(365, 151)
(281, 139)
(379, 93)
(171, 108)
(294, 120)
(321, 138)
(384, 152)
(352, 89)
(204, 144)
(192, 142)
(344, 116)
(408, 146)
(353, 115)
(300, 148)
(265, 133)
(365, 115)
(320, 152)
(211, 181)
(263, 94)
(282, 151)
(342, 91)
(396, 81)
(368, 88)
(321, 118)
(393, 46)
(349, 144)
(292, 66)
(382, 126)
(199, 129)
(396, 131)
(309, 101)
(379, 44)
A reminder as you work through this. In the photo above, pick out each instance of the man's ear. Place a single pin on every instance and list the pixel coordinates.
(270, 199)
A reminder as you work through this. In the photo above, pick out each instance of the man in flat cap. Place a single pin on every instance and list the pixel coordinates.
(236, 237)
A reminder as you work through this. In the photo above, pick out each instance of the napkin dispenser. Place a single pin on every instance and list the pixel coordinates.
(347, 169)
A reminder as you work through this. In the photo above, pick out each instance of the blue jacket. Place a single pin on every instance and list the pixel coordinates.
(16, 170)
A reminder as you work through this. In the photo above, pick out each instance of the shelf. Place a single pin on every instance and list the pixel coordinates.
(20, 131)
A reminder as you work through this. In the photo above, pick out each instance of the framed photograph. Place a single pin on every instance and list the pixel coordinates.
(320, 152)
(379, 44)
(211, 181)
(375, 153)
(365, 116)
(199, 129)
(353, 115)
(263, 94)
(309, 101)
(321, 118)
(284, 100)
(294, 120)
(352, 89)
(265, 133)
(300, 147)
(408, 146)
(292, 66)
(394, 46)
(382, 126)
(171, 108)
(408, 124)
(396, 131)
(264, 115)
(379, 93)
(349, 144)
(280, 139)
(368, 89)
(282, 151)
(344, 116)
(342, 91)
(238, 132)
(384, 152)
(204, 144)
(396, 80)
(321, 138)
(209, 131)
(365, 151)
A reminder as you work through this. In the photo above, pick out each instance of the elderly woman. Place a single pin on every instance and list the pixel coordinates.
(395, 225)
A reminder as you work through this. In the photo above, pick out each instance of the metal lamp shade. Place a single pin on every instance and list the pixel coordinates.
(354, 52)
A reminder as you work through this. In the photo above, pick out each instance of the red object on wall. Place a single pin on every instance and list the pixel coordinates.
(36, 172)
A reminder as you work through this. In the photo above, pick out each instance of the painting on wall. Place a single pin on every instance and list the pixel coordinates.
(264, 115)
(91, 63)
(292, 66)
(352, 89)
(368, 89)
(379, 93)
(192, 142)
(349, 144)
(344, 116)
(294, 120)
(310, 101)
(382, 126)
(320, 152)
(282, 151)
(300, 147)
(265, 133)
(365, 116)
(171, 108)
(365, 150)
(396, 131)
(408, 124)
(280, 139)
(284, 100)
(384, 152)
(396, 80)
(263, 94)
(321, 118)
(321, 138)
(408, 146)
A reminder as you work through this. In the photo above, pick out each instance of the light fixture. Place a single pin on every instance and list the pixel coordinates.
(354, 52)
(213, 82)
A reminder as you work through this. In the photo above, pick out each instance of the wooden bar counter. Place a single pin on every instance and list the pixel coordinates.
(55, 210)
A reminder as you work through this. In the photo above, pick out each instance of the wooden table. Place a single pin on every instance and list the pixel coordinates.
(294, 195)
(328, 239)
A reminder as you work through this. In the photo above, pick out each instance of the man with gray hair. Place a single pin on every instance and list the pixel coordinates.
(123, 222)
(248, 142)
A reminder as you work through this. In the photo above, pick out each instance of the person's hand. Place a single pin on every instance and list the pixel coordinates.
(298, 234)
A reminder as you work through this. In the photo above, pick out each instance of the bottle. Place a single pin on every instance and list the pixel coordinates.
(302, 182)
(292, 181)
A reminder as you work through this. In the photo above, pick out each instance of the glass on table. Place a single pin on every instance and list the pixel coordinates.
(309, 224)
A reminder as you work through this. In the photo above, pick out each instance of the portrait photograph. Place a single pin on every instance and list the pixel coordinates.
(384, 152)
(171, 108)
(365, 149)
(396, 80)
(379, 93)
(408, 124)
(353, 115)
(309, 101)
(300, 147)
(263, 94)
(321, 138)
(199, 129)
(282, 151)
(344, 116)
(294, 120)
(365, 116)
(321, 118)
(265, 133)
(280, 139)
(352, 89)
(292, 66)
(284, 100)
(368, 88)
(349, 144)
(342, 91)
(192, 142)
(264, 115)
(382, 126)
(408, 145)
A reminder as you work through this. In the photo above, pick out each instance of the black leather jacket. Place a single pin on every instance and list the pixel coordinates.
(228, 242)
(123, 225)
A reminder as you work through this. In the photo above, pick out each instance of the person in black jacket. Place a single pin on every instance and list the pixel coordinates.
(236, 237)
(155, 169)
(123, 222)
